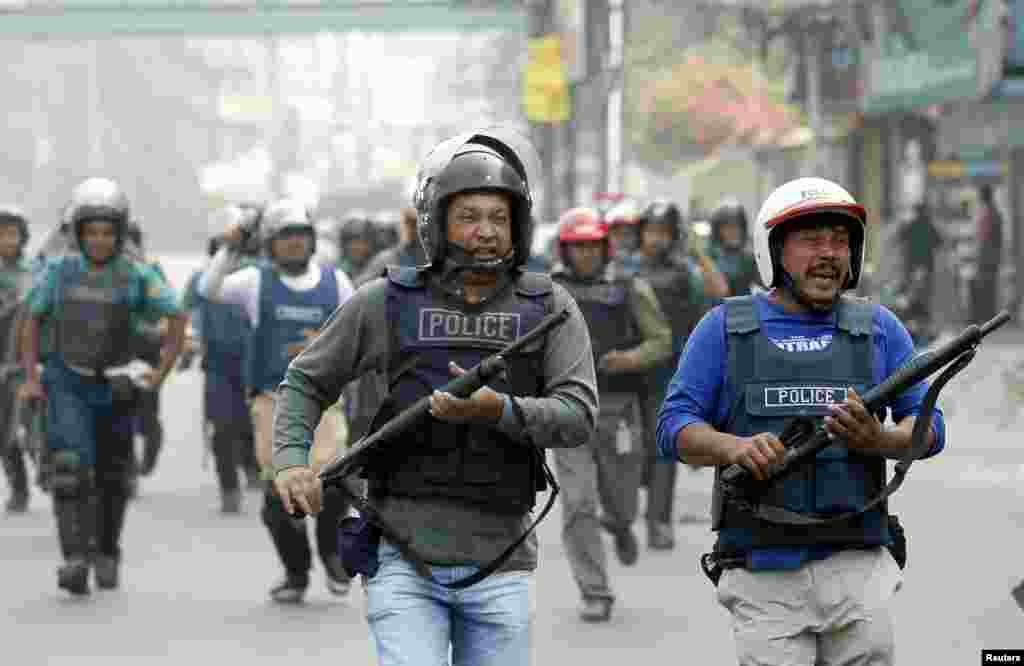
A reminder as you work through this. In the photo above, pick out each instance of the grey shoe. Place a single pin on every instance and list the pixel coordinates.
(291, 590)
(73, 576)
(106, 570)
(593, 609)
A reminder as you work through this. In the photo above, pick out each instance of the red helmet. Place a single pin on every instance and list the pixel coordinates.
(624, 212)
(581, 224)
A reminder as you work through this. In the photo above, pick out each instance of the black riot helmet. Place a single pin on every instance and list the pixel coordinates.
(385, 224)
(357, 224)
(12, 214)
(663, 211)
(99, 199)
(496, 159)
(729, 211)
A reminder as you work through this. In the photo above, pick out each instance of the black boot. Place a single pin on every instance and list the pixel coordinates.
(106, 569)
(112, 509)
(73, 576)
(75, 542)
(17, 478)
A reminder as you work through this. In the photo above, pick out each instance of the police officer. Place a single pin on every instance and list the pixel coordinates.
(624, 231)
(683, 288)
(358, 240)
(814, 594)
(387, 232)
(286, 300)
(629, 334)
(90, 305)
(728, 247)
(224, 331)
(461, 488)
(408, 251)
(15, 278)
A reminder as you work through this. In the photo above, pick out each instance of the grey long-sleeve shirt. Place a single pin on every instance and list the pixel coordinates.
(356, 341)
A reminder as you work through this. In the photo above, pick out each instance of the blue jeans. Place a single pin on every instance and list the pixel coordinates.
(415, 621)
(81, 415)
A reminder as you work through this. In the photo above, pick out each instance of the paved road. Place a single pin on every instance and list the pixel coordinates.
(194, 582)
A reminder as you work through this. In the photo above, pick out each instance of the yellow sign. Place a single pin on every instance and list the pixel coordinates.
(946, 169)
(545, 86)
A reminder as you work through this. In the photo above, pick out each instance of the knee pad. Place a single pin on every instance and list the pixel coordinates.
(70, 477)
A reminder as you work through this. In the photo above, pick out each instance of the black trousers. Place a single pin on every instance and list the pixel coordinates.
(289, 534)
(13, 457)
(148, 425)
(659, 475)
(91, 520)
(14, 468)
(225, 410)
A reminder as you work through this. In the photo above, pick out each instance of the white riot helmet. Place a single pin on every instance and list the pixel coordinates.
(286, 215)
(798, 199)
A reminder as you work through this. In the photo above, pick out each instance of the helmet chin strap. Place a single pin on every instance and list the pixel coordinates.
(457, 258)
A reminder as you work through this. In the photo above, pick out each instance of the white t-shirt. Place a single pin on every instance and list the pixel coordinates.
(243, 287)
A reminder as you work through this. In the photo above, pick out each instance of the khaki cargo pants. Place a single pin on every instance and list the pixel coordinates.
(831, 611)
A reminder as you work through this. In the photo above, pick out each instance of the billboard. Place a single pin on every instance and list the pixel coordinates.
(90, 18)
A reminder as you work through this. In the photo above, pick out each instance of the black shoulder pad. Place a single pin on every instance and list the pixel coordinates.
(856, 315)
(533, 284)
(405, 276)
(741, 315)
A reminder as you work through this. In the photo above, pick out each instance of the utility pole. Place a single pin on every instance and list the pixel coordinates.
(94, 110)
(272, 58)
(541, 22)
(596, 29)
(616, 45)
(577, 72)
(820, 163)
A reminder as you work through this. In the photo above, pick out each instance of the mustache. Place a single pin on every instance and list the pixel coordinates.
(824, 266)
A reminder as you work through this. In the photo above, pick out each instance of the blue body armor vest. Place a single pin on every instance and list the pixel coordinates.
(773, 385)
(225, 331)
(284, 313)
(472, 464)
(606, 306)
(93, 330)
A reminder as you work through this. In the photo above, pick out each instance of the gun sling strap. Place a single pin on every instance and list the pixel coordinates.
(422, 568)
(918, 447)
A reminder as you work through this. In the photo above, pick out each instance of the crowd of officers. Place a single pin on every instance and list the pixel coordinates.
(638, 278)
(311, 334)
